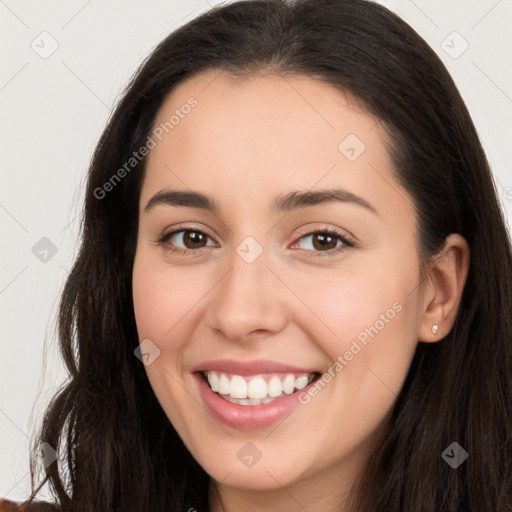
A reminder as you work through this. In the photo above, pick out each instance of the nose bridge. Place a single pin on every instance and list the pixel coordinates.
(246, 299)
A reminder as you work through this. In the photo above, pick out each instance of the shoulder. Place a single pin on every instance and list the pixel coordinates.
(36, 506)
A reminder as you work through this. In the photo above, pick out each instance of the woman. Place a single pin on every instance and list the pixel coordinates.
(293, 289)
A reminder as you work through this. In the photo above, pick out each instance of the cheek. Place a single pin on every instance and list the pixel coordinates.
(372, 325)
(163, 299)
(165, 302)
(369, 332)
(358, 306)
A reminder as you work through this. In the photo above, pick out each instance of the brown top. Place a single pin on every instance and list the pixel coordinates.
(36, 506)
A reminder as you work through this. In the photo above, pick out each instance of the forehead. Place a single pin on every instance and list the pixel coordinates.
(265, 134)
(281, 112)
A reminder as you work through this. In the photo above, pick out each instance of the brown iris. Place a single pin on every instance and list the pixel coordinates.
(324, 241)
(194, 239)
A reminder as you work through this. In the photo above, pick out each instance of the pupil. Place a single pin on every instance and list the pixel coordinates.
(323, 241)
(194, 238)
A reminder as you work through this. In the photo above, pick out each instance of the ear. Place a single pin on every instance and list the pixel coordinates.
(443, 288)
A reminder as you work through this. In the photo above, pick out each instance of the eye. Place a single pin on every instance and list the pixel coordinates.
(185, 240)
(318, 242)
(323, 241)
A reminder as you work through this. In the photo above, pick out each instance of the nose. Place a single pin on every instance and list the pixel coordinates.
(248, 302)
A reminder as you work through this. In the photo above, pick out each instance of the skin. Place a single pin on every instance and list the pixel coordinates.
(244, 144)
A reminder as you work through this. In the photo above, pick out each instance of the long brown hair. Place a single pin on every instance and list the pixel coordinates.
(118, 450)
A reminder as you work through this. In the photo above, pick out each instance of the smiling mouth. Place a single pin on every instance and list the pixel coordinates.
(256, 389)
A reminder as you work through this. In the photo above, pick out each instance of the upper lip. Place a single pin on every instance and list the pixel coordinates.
(249, 367)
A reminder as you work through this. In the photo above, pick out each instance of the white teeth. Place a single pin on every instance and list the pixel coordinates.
(255, 390)
(274, 387)
(300, 382)
(238, 388)
(224, 387)
(213, 380)
(248, 401)
(288, 384)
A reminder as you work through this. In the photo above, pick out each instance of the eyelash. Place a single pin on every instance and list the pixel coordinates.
(162, 241)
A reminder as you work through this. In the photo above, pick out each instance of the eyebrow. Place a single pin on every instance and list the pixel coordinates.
(291, 201)
(299, 199)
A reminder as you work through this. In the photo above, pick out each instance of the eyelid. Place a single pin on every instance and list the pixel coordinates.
(168, 233)
(326, 228)
(346, 243)
(187, 227)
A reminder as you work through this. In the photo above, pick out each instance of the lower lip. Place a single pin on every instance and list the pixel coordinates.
(247, 417)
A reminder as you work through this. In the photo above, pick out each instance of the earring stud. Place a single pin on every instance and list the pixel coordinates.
(435, 328)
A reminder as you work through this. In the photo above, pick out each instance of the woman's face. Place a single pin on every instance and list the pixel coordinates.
(230, 280)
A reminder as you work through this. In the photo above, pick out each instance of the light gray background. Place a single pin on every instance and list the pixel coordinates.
(53, 110)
